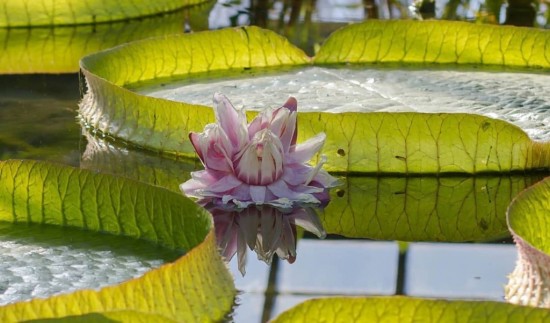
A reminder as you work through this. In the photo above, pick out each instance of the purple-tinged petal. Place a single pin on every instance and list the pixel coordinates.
(291, 104)
(305, 151)
(213, 147)
(257, 193)
(260, 122)
(231, 120)
(224, 184)
(283, 125)
(296, 174)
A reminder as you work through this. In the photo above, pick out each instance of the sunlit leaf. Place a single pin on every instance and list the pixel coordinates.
(441, 42)
(405, 309)
(530, 225)
(26, 13)
(356, 142)
(196, 287)
(160, 124)
(423, 208)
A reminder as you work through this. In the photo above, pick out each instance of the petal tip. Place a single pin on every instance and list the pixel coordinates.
(291, 104)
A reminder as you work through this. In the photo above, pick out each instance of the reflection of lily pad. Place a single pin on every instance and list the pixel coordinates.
(423, 208)
(72, 12)
(144, 166)
(58, 50)
(34, 192)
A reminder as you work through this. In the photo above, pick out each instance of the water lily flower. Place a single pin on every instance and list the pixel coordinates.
(257, 163)
(265, 229)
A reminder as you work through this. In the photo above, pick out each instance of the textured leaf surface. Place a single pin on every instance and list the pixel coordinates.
(357, 142)
(438, 42)
(160, 124)
(404, 309)
(196, 287)
(528, 216)
(25, 13)
(529, 283)
(423, 208)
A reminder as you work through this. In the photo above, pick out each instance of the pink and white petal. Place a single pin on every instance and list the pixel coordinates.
(231, 120)
(283, 124)
(195, 141)
(305, 151)
(291, 104)
(260, 122)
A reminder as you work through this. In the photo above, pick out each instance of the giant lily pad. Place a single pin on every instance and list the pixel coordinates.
(529, 223)
(196, 287)
(357, 142)
(405, 309)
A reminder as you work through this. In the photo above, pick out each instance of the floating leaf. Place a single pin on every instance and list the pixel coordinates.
(160, 124)
(196, 287)
(28, 13)
(530, 226)
(406, 309)
(441, 42)
(423, 208)
(407, 143)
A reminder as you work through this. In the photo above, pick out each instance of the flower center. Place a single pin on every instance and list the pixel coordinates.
(261, 161)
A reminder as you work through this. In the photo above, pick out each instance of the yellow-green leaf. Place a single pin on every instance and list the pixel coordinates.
(441, 42)
(59, 49)
(196, 287)
(406, 143)
(160, 124)
(405, 309)
(26, 13)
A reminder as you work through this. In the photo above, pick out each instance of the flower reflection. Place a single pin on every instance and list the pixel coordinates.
(265, 229)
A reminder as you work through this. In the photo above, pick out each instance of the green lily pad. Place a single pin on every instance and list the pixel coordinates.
(404, 143)
(529, 223)
(438, 42)
(406, 309)
(196, 287)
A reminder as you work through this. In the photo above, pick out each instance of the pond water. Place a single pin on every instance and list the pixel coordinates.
(38, 121)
